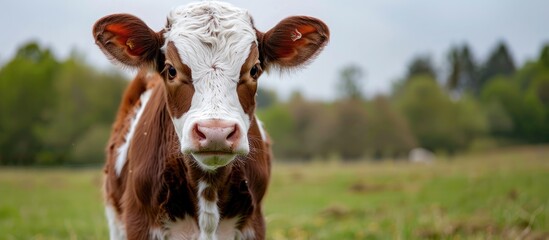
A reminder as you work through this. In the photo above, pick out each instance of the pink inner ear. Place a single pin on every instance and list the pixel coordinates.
(123, 34)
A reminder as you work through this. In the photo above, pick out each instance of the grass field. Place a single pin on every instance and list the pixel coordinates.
(495, 195)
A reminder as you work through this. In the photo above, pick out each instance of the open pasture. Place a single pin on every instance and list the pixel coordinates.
(501, 194)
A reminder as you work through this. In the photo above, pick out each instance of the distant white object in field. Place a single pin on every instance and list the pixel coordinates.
(421, 155)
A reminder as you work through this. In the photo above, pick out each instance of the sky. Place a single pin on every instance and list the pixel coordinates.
(379, 36)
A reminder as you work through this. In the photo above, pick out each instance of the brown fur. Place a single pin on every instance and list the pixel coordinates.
(126, 38)
(278, 46)
(115, 186)
(179, 90)
(158, 183)
(247, 86)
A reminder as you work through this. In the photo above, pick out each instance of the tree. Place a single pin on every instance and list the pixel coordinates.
(532, 70)
(536, 115)
(300, 129)
(315, 128)
(350, 84)
(25, 99)
(463, 70)
(470, 121)
(544, 56)
(454, 82)
(499, 63)
(421, 66)
(351, 135)
(503, 93)
(47, 107)
(84, 99)
(499, 120)
(436, 121)
(388, 131)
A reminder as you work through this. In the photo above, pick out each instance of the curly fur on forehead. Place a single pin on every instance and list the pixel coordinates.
(211, 36)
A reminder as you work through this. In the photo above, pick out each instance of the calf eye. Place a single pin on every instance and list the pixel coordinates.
(171, 72)
(255, 71)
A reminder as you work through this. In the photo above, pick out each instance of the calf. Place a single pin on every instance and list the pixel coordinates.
(187, 157)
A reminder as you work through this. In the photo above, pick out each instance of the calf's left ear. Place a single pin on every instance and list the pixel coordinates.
(293, 42)
(127, 39)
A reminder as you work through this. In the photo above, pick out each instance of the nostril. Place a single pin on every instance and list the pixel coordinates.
(233, 133)
(200, 134)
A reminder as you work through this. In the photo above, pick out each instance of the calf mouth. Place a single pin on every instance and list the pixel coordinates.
(212, 160)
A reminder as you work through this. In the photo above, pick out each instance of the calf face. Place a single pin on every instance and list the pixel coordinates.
(210, 56)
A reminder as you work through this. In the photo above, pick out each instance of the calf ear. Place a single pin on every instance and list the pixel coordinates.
(126, 39)
(293, 42)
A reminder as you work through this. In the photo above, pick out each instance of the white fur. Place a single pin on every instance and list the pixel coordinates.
(208, 214)
(117, 230)
(248, 233)
(123, 150)
(157, 234)
(187, 228)
(261, 129)
(184, 229)
(214, 40)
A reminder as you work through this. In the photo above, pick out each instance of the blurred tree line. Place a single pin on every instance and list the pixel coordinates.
(56, 111)
(475, 105)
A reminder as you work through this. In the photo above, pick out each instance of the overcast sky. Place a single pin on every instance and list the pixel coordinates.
(380, 36)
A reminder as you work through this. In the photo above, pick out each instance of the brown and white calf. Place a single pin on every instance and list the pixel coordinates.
(187, 158)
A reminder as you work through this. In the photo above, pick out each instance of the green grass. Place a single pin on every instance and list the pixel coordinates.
(502, 194)
(51, 204)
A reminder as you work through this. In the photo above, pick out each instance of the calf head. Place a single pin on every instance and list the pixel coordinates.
(210, 56)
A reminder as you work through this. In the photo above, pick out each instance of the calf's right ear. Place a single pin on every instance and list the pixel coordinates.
(127, 39)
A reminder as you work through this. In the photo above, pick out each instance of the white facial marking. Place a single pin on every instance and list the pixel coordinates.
(116, 228)
(123, 150)
(208, 214)
(214, 39)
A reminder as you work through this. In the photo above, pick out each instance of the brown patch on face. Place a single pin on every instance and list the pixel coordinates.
(247, 86)
(179, 88)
